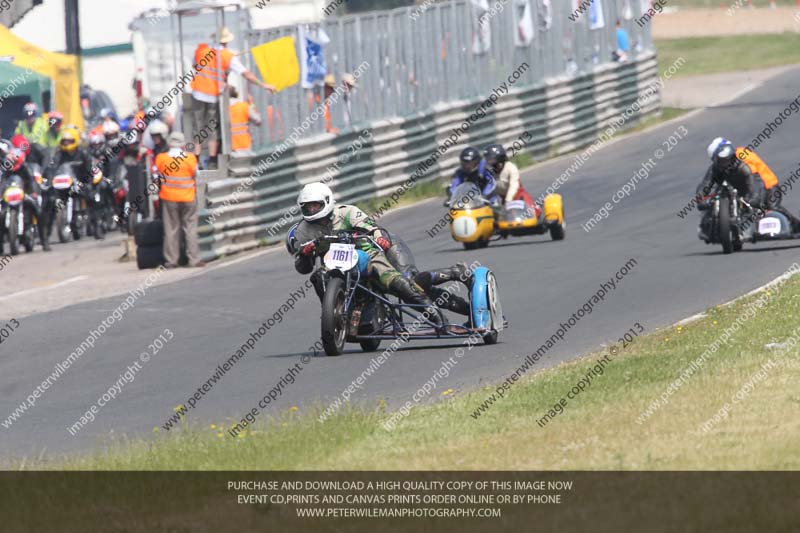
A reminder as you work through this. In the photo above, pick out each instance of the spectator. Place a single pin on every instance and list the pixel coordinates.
(330, 87)
(33, 127)
(623, 44)
(350, 85)
(242, 114)
(178, 196)
(52, 137)
(207, 85)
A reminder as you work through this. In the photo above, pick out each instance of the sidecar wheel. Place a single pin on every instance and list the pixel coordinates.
(370, 345)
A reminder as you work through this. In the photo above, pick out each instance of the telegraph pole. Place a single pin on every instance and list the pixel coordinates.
(73, 31)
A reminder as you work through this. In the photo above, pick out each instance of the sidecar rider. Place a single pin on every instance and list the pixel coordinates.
(725, 167)
(509, 185)
(474, 169)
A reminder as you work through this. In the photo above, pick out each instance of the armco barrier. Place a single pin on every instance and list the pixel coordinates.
(561, 115)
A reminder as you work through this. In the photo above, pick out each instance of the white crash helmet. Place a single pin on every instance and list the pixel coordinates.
(110, 128)
(316, 192)
(159, 128)
(714, 146)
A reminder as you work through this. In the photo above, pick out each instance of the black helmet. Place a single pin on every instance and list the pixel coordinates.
(725, 156)
(131, 141)
(496, 156)
(470, 158)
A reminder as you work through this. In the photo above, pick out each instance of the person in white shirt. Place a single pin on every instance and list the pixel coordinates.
(509, 186)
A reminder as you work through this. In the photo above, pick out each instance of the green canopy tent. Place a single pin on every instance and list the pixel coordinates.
(19, 86)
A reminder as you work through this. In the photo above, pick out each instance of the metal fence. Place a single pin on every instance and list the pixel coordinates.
(411, 59)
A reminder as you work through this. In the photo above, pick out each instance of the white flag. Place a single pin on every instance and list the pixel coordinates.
(312, 57)
(481, 27)
(545, 15)
(597, 19)
(523, 17)
(627, 10)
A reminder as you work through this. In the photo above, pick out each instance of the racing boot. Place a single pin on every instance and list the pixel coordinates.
(452, 302)
(458, 272)
(411, 295)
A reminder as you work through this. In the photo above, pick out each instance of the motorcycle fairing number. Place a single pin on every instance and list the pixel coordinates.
(63, 181)
(341, 256)
(769, 226)
(13, 196)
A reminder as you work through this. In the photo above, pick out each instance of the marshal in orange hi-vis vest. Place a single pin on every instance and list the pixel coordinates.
(240, 132)
(178, 170)
(210, 80)
(758, 166)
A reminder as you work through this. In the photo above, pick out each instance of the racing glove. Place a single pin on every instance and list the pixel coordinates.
(308, 248)
(384, 243)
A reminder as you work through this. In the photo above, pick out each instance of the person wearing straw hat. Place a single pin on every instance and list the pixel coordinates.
(350, 85)
(213, 66)
(329, 89)
(178, 196)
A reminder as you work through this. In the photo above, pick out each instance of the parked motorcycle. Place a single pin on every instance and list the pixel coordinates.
(17, 220)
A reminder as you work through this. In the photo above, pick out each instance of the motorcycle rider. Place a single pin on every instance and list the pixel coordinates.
(765, 180)
(401, 258)
(509, 185)
(475, 170)
(69, 151)
(14, 163)
(50, 140)
(725, 167)
(111, 131)
(322, 217)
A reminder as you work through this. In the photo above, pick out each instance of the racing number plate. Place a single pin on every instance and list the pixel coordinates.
(341, 256)
(769, 226)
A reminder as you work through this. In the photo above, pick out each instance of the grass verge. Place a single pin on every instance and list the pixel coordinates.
(708, 55)
(596, 430)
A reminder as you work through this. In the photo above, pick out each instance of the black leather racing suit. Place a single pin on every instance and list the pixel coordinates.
(738, 175)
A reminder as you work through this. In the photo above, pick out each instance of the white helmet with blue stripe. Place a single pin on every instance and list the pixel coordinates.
(714, 146)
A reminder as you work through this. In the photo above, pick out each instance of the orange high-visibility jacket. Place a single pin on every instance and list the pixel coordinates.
(757, 165)
(240, 132)
(327, 108)
(178, 170)
(210, 80)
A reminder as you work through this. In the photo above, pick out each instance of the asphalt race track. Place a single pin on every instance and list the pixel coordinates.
(541, 284)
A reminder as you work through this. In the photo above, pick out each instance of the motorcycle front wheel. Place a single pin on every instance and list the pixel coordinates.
(61, 221)
(725, 228)
(13, 236)
(334, 317)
